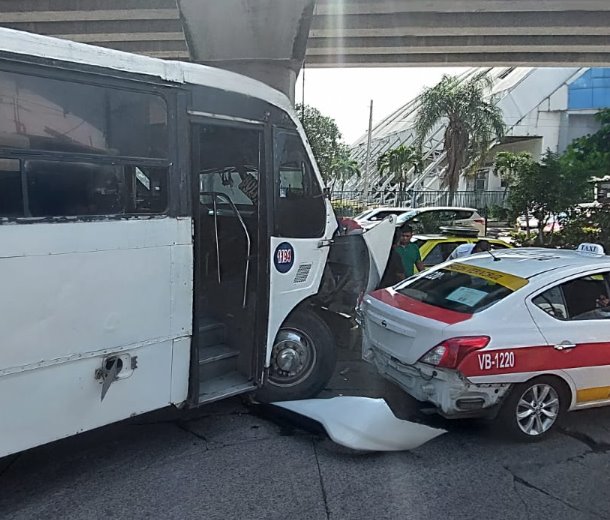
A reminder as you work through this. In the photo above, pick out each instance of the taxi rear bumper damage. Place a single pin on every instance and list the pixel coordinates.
(450, 393)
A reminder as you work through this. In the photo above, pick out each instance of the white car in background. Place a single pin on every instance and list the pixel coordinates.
(520, 335)
(371, 216)
(552, 225)
(425, 220)
(429, 220)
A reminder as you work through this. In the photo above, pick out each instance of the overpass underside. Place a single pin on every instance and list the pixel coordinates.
(369, 33)
(270, 39)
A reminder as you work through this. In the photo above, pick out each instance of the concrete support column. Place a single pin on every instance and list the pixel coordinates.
(263, 39)
(279, 75)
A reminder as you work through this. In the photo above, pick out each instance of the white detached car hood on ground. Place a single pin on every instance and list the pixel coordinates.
(363, 423)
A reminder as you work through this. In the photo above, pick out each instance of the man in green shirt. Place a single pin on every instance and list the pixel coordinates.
(409, 252)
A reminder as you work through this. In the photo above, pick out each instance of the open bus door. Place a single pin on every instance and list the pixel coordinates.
(267, 254)
(229, 315)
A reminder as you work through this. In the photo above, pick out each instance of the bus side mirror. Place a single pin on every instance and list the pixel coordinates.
(326, 193)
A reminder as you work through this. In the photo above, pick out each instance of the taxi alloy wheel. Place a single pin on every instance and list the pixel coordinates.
(537, 409)
(534, 408)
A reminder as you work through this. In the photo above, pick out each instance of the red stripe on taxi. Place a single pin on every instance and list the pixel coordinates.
(407, 304)
(534, 359)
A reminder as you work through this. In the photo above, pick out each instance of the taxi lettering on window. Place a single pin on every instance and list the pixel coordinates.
(509, 281)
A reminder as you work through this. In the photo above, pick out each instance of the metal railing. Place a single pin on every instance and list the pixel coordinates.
(214, 195)
(351, 203)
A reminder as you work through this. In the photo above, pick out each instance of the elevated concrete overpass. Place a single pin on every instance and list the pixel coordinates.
(369, 33)
(270, 39)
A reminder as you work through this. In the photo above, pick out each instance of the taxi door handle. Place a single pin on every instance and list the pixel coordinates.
(564, 345)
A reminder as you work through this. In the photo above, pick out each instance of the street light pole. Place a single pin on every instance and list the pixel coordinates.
(303, 95)
(368, 157)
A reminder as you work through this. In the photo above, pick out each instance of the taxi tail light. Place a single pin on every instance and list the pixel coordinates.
(451, 352)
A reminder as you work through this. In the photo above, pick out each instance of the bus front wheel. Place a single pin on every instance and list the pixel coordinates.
(302, 360)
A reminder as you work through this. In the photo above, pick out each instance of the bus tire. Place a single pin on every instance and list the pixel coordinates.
(302, 360)
(534, 408)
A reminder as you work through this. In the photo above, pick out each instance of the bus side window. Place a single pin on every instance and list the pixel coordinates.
(148, 189)
(58, 189)
(75, 117)
(11, 192)
(299, 201)
(61, 189)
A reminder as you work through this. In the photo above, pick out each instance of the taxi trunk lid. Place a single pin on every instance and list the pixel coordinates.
(404, 335)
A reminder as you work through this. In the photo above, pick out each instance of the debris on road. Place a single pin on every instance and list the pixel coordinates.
(363, 423)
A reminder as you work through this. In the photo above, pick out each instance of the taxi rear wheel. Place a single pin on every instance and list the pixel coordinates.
(533, 409)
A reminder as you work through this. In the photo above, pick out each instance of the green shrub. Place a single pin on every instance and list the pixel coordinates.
(499, 213)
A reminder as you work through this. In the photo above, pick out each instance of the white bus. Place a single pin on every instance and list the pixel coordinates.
(165, 238)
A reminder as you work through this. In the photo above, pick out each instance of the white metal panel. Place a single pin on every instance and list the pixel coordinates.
(39, 239)
(378, 241)
(53, 402)
(531, 90)
(559, 99)
(65, 304)
(74, 293)
(181, 356)
(403, 335)
(181, 290)
(504, 85)
(284, 293)
(548, 126)
(582, 333)
(363, 423)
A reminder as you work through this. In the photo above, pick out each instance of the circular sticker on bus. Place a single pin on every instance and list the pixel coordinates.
(283, 258)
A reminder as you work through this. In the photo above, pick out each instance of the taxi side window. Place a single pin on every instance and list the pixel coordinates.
(587, 297)
(552, 302)
(584, 298)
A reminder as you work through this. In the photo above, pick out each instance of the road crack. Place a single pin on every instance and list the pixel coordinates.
(590, 442)
(520, 480)
(182, 426)
(324, 497)
(516, 489)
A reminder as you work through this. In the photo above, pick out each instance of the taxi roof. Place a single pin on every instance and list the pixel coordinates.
(528, 262)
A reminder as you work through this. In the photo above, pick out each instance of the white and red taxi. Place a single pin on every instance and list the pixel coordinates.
(520, 335)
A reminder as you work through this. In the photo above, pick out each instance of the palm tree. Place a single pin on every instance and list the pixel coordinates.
(472, 123)
(509, 166)
(343, 169)
(399, 162)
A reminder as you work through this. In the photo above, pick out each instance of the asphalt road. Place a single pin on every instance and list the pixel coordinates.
(233, 461)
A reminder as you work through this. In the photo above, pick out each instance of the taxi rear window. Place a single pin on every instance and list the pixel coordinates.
(453, 289)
